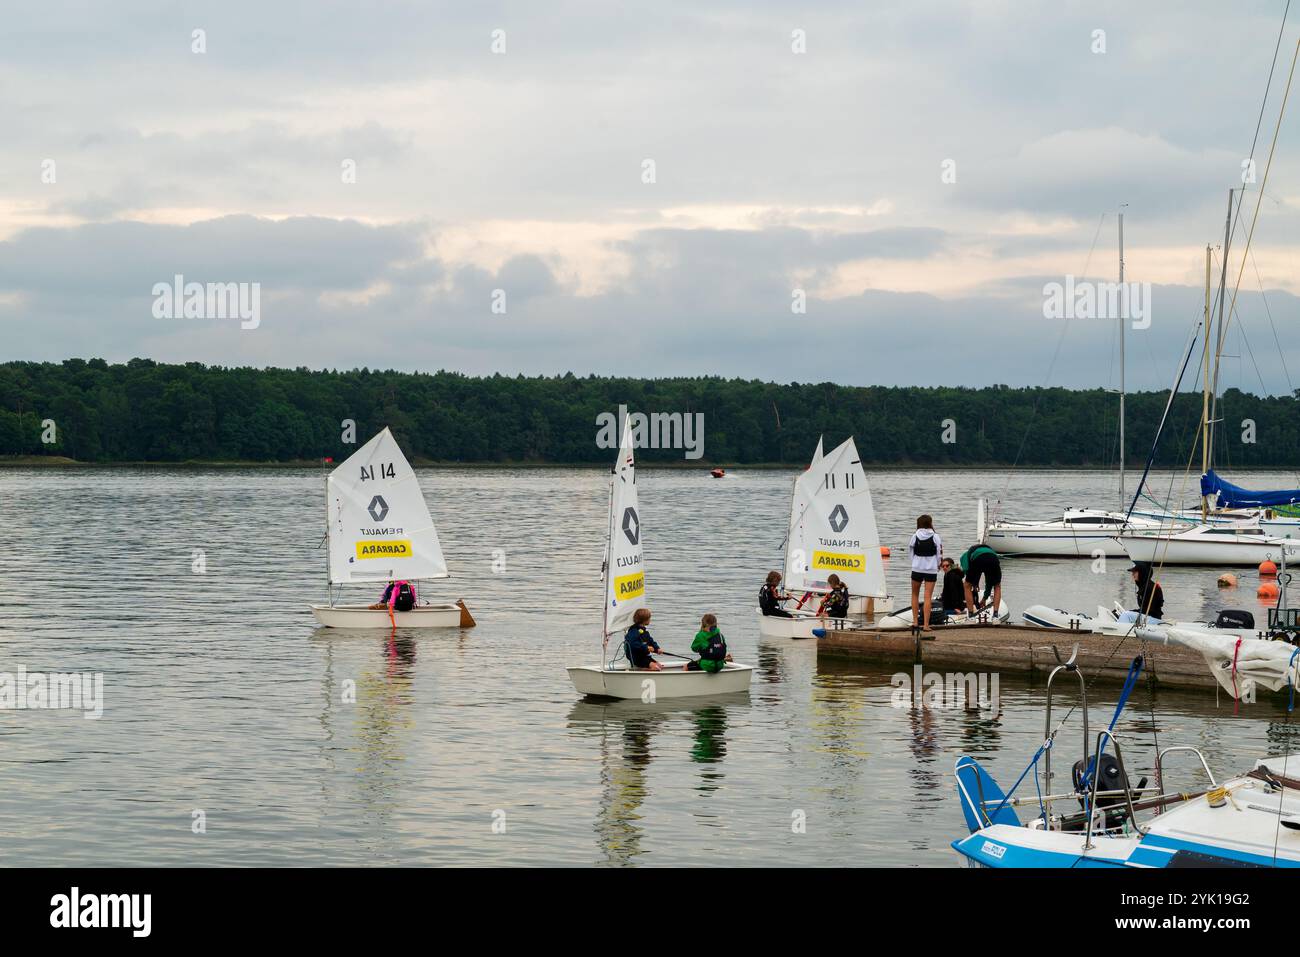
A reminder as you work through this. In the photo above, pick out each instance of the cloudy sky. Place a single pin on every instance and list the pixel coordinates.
(525, 171)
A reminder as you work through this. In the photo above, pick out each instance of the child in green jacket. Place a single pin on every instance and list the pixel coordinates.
(710, 646)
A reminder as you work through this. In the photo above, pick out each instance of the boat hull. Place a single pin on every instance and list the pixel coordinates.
(1053, 543)
(1223, 549)
(362, 617)
(803, 626)
(904, 618)
(651, 686)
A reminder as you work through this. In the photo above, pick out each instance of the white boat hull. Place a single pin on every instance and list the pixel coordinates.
(651, 686)
(360, 616)
(904, 618)
(1078, 533)
(803, 625)
(1222, 547)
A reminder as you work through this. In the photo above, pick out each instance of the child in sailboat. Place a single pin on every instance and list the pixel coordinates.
(638, 644)
(835, 604)
(770, 597)
(710, 646)
(399, 596)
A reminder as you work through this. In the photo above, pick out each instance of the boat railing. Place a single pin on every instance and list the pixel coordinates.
(1160, 763)
(1103, 736)
(1048, 734)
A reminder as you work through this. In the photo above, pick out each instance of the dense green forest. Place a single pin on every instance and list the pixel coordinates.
(146, 411)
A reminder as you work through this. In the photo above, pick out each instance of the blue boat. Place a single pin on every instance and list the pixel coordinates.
(1251, 820)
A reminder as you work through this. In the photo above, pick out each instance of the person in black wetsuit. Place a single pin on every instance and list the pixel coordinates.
(1150, 596)
(953, 598)
(638, 644)
(770, 597)
(836, 604)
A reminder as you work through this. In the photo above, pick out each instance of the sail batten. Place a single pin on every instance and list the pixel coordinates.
(379, 524)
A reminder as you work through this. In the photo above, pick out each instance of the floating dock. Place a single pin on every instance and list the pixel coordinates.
(1026, 649)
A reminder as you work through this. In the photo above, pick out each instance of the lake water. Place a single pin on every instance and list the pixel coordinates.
(222, 697)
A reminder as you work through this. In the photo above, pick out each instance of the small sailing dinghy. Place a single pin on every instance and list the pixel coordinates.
(832, 530)
(379, 530)
(624, 578)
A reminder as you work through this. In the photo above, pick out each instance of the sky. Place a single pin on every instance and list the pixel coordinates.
(647, 189)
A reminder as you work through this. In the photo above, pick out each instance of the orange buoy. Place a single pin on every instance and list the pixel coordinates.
(1267, 591)
(1267, 568)
(1228, 580)
(884, 551)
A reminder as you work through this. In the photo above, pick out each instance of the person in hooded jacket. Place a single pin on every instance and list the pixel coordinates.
(926, 551)
(1150, 596)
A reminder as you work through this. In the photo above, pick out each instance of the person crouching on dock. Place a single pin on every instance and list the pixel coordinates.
(638, 644)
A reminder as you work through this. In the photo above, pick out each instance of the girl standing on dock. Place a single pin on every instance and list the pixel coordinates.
(926, 551)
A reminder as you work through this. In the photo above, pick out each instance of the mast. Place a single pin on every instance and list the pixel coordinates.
(1122, 321)
(1218, 350)
(1205, 393)
(609, 554)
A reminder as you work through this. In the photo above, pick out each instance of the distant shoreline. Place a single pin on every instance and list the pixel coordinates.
(60, 461)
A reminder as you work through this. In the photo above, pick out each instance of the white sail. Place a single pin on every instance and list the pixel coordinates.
(833, 527)
(1238, 664)
(379, 526)
(624, 567)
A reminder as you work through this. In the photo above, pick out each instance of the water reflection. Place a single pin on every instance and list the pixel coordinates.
(626, 733)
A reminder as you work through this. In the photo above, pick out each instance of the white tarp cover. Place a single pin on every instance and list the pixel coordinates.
(379, 525)
(1268, 663)
(833, 527)
(624, 567)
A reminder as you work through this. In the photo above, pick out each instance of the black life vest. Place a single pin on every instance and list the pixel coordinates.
(767, 600)
(404, 600)
(837, 603)
(925, 547)
(717, 648)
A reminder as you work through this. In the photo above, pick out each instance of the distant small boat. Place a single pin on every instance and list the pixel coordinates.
(379, 530)
(718, 473)
(624, 594)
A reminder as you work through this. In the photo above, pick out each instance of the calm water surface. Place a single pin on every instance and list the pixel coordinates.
(222, 696)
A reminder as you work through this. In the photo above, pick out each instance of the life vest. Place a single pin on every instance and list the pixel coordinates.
(925, 547)
(837, 603)
(402, 596)
(767, 600)
(717, 647)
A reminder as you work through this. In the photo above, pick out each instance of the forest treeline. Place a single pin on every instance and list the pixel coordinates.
(145, 411)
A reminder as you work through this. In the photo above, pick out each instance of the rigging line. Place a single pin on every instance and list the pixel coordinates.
(1169, 403)
(1272, 325)
(1254, 219)
(1268, 86)
(1065, 328)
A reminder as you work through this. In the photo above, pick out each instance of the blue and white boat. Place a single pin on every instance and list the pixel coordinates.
(1251, 820)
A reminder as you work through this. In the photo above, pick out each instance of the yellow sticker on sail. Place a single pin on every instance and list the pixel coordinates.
(388, 548)
(629, 586)
(838, 562)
